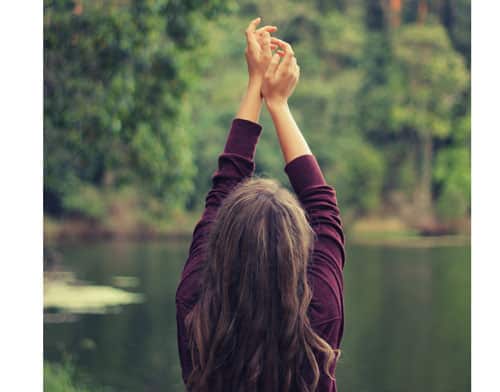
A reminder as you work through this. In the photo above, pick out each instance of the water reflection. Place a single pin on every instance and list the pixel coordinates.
(407, 319)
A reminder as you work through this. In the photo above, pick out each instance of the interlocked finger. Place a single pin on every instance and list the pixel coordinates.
(269, 29)
(266, 43)
(285, 46)
(273, 65)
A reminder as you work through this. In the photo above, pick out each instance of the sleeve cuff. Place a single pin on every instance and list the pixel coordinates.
(304, 172)
(243, 138)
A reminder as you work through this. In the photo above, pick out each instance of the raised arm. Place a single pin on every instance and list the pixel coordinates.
(316, 196)
(236, 162)
(280, 80)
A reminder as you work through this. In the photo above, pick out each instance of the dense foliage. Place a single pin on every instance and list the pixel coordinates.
(139, 96)
(116, 77)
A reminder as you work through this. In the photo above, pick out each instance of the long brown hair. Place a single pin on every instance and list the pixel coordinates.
(250, 331)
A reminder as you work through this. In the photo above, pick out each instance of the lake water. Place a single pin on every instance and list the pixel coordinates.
(407, 325)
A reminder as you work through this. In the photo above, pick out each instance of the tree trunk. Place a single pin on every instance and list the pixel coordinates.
(395, 12)
(424, 210)
(423, 10)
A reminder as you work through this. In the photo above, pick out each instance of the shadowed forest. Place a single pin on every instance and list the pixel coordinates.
(139, 96)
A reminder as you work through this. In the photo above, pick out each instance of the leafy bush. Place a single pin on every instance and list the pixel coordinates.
(61, 378)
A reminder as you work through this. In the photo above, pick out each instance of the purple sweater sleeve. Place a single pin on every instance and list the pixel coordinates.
(325, 272)
(235, 164)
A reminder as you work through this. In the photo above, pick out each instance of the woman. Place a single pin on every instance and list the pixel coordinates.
(260, 304)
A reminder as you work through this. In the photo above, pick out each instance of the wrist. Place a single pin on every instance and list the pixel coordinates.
(251, 103)
(254, 84)
(274, 105)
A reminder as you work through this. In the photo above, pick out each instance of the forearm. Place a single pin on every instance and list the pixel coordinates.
(251, 103)
(235, 164)
(292, 142)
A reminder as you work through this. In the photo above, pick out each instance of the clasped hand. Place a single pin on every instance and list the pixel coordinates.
(275, 75)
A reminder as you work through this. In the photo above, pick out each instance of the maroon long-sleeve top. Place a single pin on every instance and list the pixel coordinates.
(235, 163)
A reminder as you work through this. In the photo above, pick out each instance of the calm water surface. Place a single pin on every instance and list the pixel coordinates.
(407, 326)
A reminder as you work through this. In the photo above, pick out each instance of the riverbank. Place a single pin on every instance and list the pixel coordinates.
(81, 229)
(391, 231)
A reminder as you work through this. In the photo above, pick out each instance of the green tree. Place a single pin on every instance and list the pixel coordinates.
(139, 96)
(433, 77)
(116, 76)
(375, 96)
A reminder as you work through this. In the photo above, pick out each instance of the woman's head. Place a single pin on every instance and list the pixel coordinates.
(249, 330)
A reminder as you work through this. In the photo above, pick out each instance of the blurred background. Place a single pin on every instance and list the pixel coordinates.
(138, 100)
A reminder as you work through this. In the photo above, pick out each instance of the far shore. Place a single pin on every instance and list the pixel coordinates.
(369, 231)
